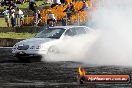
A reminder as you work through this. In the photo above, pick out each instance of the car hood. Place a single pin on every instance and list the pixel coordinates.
(35, 41)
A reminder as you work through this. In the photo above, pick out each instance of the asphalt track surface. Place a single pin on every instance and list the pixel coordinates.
(15, 74)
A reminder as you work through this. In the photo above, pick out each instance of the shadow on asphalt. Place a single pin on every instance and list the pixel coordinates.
(12, 61)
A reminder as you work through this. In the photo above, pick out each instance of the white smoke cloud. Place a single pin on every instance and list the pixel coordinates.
(114, 47)
(74, 48)
(111, 44)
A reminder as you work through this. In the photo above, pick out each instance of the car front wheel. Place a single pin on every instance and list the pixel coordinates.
(52, 53)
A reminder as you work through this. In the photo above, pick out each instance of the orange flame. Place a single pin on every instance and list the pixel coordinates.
(81, 71)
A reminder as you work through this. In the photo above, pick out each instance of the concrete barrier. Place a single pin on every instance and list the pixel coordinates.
(29, 29)
(8, 42)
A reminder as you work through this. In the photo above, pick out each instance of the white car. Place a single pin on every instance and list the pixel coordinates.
(45, 41)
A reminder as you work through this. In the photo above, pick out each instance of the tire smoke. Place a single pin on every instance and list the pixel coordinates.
(110, 44)
(114, 46)
(73, 48)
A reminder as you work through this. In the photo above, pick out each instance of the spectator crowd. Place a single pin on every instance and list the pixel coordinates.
(12, 13)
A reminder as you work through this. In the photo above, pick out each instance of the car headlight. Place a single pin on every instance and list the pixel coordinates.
(14, 47)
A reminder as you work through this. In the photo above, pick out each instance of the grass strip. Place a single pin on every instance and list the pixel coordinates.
(17, 35)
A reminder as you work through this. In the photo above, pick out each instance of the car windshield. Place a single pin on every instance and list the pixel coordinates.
(51, 33)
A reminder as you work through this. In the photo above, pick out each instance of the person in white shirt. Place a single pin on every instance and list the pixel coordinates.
(6, 13)
(55, 2)
(37, 18)
(48, 1)
(20, 15)
(50, 17)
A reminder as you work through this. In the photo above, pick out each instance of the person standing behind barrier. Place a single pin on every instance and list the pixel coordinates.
(2, 3)
(62, 1)
(68, 12)
(90, 5)
(55, 2)
(51, 18)
(72, 8)
(85, 7)
(6, 13)
(32, 5)
(20, 15)
(13, 4)
(37, 18)
(13, 18)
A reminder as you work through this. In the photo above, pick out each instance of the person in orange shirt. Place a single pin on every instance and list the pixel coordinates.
(89, 2)
(85, 7)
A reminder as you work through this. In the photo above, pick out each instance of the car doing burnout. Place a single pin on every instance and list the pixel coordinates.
(45, 41)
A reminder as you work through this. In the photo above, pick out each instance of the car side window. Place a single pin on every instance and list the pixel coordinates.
(80, 30)
(69, 33)
(75, 31)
